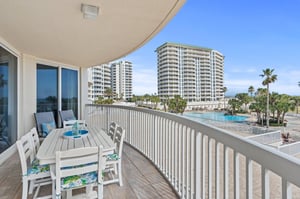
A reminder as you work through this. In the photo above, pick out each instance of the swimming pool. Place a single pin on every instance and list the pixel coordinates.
(217, 116)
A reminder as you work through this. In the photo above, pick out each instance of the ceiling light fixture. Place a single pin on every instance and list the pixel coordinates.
(89, 11)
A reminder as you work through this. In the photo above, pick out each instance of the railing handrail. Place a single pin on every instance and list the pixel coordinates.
(271, 159)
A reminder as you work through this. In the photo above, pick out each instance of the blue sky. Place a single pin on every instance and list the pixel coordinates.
(252, 35)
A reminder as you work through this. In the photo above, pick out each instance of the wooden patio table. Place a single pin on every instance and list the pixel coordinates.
(55, 141)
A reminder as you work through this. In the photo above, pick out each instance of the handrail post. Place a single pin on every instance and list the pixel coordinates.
(155, 140)
(198, 185)
(129, 126)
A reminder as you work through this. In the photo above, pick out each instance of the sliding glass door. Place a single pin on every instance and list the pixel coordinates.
(48, 89)
(69, 90)
(8, 99)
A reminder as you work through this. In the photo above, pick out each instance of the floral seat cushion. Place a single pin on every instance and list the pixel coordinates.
(36, 168)
(76, 181)
(111, 157)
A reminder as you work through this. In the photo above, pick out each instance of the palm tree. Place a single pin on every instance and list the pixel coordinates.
(224, 90)
(297, 102)
(269, 78)
(177, 104)
(108, 93)
(251, 90)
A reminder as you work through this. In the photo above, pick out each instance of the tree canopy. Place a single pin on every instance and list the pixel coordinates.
(177, 104)
(269, 78)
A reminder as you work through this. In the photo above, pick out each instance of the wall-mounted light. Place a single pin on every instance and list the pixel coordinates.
(89, 11)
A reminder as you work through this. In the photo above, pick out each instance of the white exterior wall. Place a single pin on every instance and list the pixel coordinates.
(27, 88)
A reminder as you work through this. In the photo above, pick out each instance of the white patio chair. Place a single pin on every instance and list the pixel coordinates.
(66, 115)
(33, 173)
(45, 122)
(113, 166)
(69, 123)
(111, 130)
(77, 168)
(33, 134)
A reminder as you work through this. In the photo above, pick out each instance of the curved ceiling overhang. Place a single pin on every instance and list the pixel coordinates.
(56, 29)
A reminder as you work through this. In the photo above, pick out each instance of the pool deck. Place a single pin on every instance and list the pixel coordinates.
(245, 129)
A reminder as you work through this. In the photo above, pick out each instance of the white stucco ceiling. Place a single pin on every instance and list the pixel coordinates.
(56, 29)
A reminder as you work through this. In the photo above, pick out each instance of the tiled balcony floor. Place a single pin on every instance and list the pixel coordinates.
(141, 180)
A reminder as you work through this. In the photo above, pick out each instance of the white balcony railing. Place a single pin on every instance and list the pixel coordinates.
(200, 160)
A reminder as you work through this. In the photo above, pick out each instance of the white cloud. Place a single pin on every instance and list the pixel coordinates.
(287, 82)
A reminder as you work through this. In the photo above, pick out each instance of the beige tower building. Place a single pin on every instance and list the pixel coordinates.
(121, 79)
(99, 78)
(194, 73)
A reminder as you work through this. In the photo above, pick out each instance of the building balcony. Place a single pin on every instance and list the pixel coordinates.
(195, 160)
(140, 179)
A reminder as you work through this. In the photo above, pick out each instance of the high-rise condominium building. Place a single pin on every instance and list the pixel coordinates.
(121, 76)
(194, 73)
(99, 79)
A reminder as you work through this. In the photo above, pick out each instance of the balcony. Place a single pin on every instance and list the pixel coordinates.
(197, 160)
(203, 161)
(141, 179)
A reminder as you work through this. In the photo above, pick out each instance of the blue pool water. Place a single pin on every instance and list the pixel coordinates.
(217, 116)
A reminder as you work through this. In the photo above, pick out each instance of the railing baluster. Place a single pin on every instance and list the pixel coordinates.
(286, 189)
(192, 164)
(249, 179)
(170, 149)
(198, 158)
(163, 146)
(176, 157)
(236, 175)
(173, 163)
(226, 173)
(180, 160)
(210, 168)
(265, 182)
(188, 159)
(203, 166)
(183, 162)
(217, 170)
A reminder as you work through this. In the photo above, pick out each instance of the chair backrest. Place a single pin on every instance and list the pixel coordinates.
(111, 130)
(35, 140)
(78, 161)
(43, 117)
(119, 139)
(26, 152)
(70, 123)
(66, 115)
